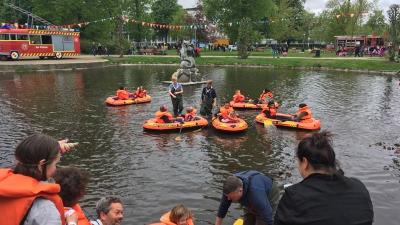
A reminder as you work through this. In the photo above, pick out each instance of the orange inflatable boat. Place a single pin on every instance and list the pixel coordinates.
(314, 124)
(114, 101)
(230, 127)
(198, 122)
(246, 105)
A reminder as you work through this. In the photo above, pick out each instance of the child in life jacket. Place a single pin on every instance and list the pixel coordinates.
(190, 114)
(238, 97)
(73, 182)
(265, 96)
(227, 114)
(163, 116)
(179, 215)
(271, 110)
(122, 94)
(140, 92)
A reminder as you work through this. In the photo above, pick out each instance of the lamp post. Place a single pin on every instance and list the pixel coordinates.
(304, 37)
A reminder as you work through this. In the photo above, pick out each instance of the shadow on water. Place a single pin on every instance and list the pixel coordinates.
(153, 172)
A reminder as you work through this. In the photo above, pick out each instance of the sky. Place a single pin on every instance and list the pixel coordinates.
(315, 6)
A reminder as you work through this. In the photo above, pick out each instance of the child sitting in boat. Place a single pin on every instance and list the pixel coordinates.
(238, 97)
(163, 116)
(271, 110)
(179, 215)
(227, 114)
(122, 93)
(140, 92)
(190, 114)
(265, 96)
(303, 114)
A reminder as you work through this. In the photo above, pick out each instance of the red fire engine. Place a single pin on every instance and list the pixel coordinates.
(16, 43)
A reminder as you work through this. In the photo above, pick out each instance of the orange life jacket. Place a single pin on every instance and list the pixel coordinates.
(165, 220)
(263, 96)
(238, 98)
(160, 114)
(190, 116)
(17, 193)
(225, 112)
(82, 219)
(122, 94)
(272, 111)
(307, 117)
(140, 94)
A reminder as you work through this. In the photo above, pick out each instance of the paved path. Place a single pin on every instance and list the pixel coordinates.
(69, 60)
(264, 57)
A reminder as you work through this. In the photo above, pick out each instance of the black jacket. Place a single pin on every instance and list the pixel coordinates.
(325, 200)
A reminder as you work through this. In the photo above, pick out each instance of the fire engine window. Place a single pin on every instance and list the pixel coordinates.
(13, 37)
(22, 37)
(46, 40)
(35, 39)
(4, 37)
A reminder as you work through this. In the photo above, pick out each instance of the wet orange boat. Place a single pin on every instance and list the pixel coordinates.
(152, 125)
(240, 126)
(114, 101)
(313, 124)
(246, 105)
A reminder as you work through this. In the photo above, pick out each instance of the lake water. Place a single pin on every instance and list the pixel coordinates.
(154, 172)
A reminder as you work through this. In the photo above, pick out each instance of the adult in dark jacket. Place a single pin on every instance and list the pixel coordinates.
(325, 196)
(257, 193)
(208, 99)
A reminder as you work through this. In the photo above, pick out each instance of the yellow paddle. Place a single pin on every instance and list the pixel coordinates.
(179, 138)
(268, 123)
(238, 222)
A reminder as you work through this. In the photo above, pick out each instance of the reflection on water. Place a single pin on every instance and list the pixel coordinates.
(153, 172)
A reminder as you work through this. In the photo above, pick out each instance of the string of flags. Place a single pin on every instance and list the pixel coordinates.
(127, 19)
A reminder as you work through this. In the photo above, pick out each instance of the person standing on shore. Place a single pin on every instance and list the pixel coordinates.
(208, 99)
(175, 91)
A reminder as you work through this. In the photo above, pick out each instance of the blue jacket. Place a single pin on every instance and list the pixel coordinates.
(256, 187)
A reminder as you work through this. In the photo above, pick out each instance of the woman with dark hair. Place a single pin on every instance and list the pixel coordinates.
(26, 198)
(73, 182)
(325, 196)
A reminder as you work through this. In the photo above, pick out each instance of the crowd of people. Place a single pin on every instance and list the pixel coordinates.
(360, 51)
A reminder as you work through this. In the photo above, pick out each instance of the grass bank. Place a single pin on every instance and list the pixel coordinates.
(367, 65)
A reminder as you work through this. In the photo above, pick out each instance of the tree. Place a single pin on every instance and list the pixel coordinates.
(376, 23)
(394, 30)
(245, 37)
(228, 13)
(163, 12)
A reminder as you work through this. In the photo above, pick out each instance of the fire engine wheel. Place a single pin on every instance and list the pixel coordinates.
(59, 55)
(14, 55)
(41, 57)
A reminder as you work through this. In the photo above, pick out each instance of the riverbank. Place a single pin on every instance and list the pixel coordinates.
(364, 65)
(34, 64)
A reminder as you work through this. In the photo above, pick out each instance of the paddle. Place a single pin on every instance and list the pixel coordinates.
(238, 222)
(268, 123)
(179, 138)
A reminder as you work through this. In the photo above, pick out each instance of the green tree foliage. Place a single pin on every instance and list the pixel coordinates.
(163, 12)
(228, 13)
(376, 23)
(394, 30)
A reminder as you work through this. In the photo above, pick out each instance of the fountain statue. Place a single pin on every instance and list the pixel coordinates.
(187, 72)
